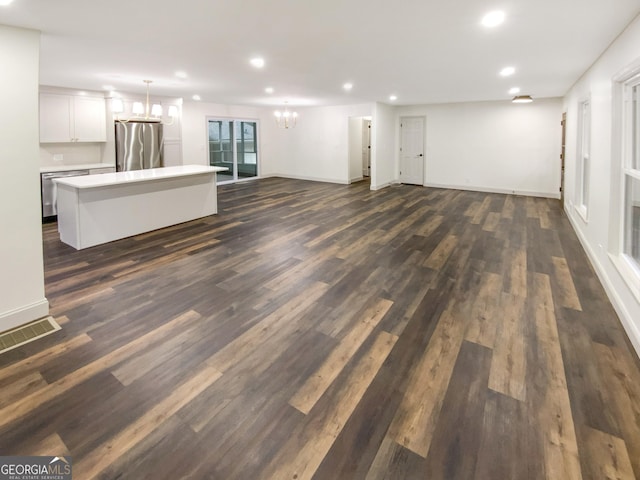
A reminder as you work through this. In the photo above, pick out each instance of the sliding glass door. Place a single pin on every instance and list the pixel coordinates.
(233, 144)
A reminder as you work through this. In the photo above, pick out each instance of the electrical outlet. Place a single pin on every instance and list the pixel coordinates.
(57, 157)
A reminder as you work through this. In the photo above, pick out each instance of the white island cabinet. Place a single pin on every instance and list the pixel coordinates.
(96, 209)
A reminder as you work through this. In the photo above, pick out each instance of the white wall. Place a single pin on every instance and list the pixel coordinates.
(599, 233)
(316, 149)
(195, 134)
(384, 145)
(493, 146)
(21, 273)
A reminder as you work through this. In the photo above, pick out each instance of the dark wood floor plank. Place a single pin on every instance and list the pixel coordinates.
(561, 456)
(303, 453)
(509, 365)
(418, 414)
(459, 426)
(507, 446)
(181, 348)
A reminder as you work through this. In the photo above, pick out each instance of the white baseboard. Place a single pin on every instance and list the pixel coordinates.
(381, 186)
(25, 314)
(473, 188)
(356, 179)
(632, 330)
(303, 177)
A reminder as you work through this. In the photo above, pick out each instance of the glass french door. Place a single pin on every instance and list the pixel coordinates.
(233, 144)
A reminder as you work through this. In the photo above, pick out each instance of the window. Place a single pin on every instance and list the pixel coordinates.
(583, 160)
(631, 170)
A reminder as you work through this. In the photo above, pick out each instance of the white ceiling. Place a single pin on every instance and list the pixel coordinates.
(424, 51)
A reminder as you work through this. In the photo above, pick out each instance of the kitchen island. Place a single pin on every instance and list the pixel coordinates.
(96, 209)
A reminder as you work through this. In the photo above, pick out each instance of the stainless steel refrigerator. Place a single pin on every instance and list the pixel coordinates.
(139, 145)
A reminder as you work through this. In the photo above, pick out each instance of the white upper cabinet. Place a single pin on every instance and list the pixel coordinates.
(70, 118)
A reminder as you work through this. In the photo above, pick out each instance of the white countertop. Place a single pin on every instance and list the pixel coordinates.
(82, 166)
(151, 174)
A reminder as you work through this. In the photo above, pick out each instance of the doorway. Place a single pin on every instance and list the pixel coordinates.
(359, 149)
(564, 137)
(233, 144)
(412, 150)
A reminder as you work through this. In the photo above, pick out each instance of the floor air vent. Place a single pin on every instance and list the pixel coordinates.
(27, 333)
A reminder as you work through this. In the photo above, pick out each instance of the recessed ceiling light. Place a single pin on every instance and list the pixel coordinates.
(196, 97)
(257, 62)
(507, 71)
(4, 3)
(269, 90)
(393, 98)
(493, 19)
(514, 90)
(181, 74)
(347, 86)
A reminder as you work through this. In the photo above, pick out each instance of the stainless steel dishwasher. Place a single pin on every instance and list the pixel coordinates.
(49, 209)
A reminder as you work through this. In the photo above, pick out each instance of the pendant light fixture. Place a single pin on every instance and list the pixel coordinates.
(286, 119)
(144, 112)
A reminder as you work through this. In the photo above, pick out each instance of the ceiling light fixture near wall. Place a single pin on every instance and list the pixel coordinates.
(143, 113)
(196, 97)
(522, 99)
(393, 98)
(4, 3)
(269, 90)
(286, 119)
(493, 19)
(181, 74)
(347, 86)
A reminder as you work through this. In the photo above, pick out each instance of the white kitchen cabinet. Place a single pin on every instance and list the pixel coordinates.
(71, 118)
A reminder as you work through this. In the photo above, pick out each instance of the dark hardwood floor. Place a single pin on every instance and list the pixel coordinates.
(326, 331)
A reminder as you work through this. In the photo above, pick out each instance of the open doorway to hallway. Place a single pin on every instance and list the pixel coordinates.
(359, 149)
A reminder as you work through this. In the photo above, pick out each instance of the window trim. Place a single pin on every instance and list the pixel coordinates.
(584, 130)
(627, 267)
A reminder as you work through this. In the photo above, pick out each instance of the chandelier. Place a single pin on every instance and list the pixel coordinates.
(144, 113)
(286, 119)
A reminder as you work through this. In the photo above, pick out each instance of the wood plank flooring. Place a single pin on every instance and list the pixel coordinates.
(321, 331)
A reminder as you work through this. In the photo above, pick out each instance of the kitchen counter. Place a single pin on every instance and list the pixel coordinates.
(96, 209)
(82, 166)
(135, 176)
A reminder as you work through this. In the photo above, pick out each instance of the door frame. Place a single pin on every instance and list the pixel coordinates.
(234, 142)
(563, 123)
(424, 146)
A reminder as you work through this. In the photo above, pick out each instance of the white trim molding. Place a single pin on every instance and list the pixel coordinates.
(632, 330)
(23, 315)
(473, 188)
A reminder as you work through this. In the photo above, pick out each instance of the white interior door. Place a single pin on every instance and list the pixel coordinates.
(412, 150)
